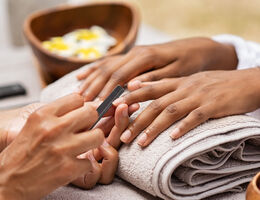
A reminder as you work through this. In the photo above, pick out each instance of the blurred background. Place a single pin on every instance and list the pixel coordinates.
(168, 19)
(203, 17)
(176, 17)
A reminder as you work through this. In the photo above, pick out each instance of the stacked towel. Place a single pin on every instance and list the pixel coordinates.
(220, 156)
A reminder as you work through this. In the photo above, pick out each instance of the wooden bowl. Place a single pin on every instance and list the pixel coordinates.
(121, 20)
(253, 190)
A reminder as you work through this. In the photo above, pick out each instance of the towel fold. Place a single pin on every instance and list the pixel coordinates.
(219, 156)
(118, 190)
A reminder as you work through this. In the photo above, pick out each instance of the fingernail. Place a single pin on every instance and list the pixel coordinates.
(142, 139)
(175, 133)
(105, 144)
(125, 136)
(136, 84)
(118, 101)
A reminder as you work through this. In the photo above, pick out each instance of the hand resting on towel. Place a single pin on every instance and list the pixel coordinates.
(46, 147)
(173, 59)
(192, 100)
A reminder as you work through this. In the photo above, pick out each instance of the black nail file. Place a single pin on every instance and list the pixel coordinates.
(107, 103)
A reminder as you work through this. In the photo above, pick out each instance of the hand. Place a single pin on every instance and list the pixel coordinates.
(194, 99)
(45, 154)
(13, 121)
(105, 158)
(173, 59)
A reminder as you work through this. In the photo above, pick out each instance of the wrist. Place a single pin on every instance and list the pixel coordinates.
(222, 57)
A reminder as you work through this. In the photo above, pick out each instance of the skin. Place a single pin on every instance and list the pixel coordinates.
(50, 149)
(104, 171)
(155, 62)
(192, 100)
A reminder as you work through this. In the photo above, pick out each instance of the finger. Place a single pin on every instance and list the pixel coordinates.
(125, 73)
(106, 125)
(88, 81)
(97, 103)
(85, 141)
(144, 119)
(136, 84)
(121, 123)
(91, 176)
(109, 163)
(147, 93)
(195, 118)
(95, 87)
(81, 119)
(64, 105)
(133, 108)
(84, 74)
(165, 80)
(170, 115)
(149, 77)
(106, 68)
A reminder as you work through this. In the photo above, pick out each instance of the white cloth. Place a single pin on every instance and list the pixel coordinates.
(248, 52)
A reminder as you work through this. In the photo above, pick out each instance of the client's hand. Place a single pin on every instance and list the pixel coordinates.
(173, 59)
(195, 98)
(45, 154)
(104, 171)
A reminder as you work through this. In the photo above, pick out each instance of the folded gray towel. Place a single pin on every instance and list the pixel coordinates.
(218, 156)
(118, 190)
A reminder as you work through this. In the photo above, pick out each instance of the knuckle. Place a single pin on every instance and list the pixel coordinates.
(152, 77)
(144, 51)
(56, 151)
(118, 77)
(39, 114)
(199, 115)
(76, 97)
(149, 89)
(155, 106)
(171, 109)
(104, 71)
(51, 129)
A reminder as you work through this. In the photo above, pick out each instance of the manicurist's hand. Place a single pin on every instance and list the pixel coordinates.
(105, 158)
(45, 153)
(192, 100)
(150, 63)
(12, 122)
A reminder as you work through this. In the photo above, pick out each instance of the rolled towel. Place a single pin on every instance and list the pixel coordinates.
(218, 156)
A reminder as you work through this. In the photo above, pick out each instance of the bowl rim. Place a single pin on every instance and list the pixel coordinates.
(33, 39)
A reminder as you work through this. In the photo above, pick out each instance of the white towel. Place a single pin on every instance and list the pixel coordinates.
(219, 156)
